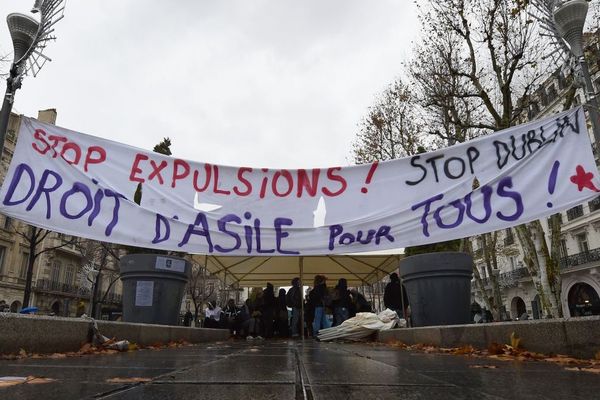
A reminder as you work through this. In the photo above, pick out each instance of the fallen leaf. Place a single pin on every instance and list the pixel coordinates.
(6, 381)
(34, 381)
(22, 353)
(495, 348)
(515, 340)
(87, 347)
(127, 380)
(483, 366)
(463, 350)
(592, 370)
(57, 355)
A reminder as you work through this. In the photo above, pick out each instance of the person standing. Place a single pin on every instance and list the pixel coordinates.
(187, 318)
(282, 326)
(318, 298)
(392, 296)
(341, 302)
(293, 300)
(268, 310)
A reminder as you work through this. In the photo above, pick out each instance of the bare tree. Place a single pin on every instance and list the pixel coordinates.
(34, 238)
(391, 129)
(488, 59)
(200, 287)
(99, 265)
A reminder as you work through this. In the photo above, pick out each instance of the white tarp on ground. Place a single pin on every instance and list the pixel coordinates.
(90, 187)
(362, 325)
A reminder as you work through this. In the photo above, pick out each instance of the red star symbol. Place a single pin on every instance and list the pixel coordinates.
(584, 179)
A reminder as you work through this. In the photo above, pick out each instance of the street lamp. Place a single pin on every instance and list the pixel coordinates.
(29, 39)
(569, 18)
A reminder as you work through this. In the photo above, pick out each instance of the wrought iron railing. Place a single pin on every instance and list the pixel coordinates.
(580, 258)
(113, 298)
(51, 286)
(511, 278)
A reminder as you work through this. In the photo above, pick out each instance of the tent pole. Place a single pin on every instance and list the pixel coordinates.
(302, 296)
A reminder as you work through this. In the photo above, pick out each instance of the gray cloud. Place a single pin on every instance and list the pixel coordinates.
(260, 83)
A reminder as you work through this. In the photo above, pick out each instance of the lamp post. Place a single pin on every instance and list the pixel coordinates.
(569, 19)
(29, 39)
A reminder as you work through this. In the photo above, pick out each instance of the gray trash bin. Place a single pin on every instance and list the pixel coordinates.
(153, 287)
(438, 286)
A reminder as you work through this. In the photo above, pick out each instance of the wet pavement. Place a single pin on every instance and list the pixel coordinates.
(295, 370)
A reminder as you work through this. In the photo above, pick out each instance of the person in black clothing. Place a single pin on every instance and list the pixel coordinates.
(318, 297)
(309, 314)
(359, 303)
(187, 318)
(341, 302)
(392, 296)
(294, 301)
(268, 315)
(281, 316)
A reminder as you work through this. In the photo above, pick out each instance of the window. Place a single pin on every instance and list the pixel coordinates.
(7, 222)
(594, 204)
(561, 80)
(2, 252)
(563, 248)
(69, 275)
(574, 212)
(513, 263)
(552, 92)
(582, 242)
(509, 238)
(483, 272)
(55, 272)
(24, 265)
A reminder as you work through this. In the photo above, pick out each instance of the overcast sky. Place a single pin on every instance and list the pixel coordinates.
(276, 83)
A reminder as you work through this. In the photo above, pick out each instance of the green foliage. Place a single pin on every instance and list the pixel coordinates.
(163, 147)
(451, 245)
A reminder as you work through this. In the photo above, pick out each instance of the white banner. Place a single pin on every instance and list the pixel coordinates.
(86, 186)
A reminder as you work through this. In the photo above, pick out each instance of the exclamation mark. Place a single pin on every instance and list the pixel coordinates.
(369, 176)
(552, 180)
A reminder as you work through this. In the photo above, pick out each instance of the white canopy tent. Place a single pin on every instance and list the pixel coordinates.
(251, 271)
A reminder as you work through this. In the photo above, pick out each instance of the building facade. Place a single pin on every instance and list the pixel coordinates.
(58, 287)
(580, 226)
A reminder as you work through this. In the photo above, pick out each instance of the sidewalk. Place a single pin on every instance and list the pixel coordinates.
(294, 370)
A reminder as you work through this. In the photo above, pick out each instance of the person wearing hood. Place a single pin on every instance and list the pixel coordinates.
(294, 301)
(269, 306)
(318, 297)
(341, 302)
(392, 296)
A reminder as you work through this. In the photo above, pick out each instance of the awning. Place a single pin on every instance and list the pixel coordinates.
(257, 271)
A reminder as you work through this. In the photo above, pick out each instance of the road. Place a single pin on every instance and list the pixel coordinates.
(294, 370)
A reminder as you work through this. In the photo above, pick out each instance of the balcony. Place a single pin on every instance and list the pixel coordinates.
(512, 278)
(50, 286)
(113, 298)
(580, 258)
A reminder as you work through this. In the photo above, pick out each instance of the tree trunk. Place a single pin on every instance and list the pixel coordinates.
(29, 277)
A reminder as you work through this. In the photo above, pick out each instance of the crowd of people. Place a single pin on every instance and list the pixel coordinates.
(266, 314)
